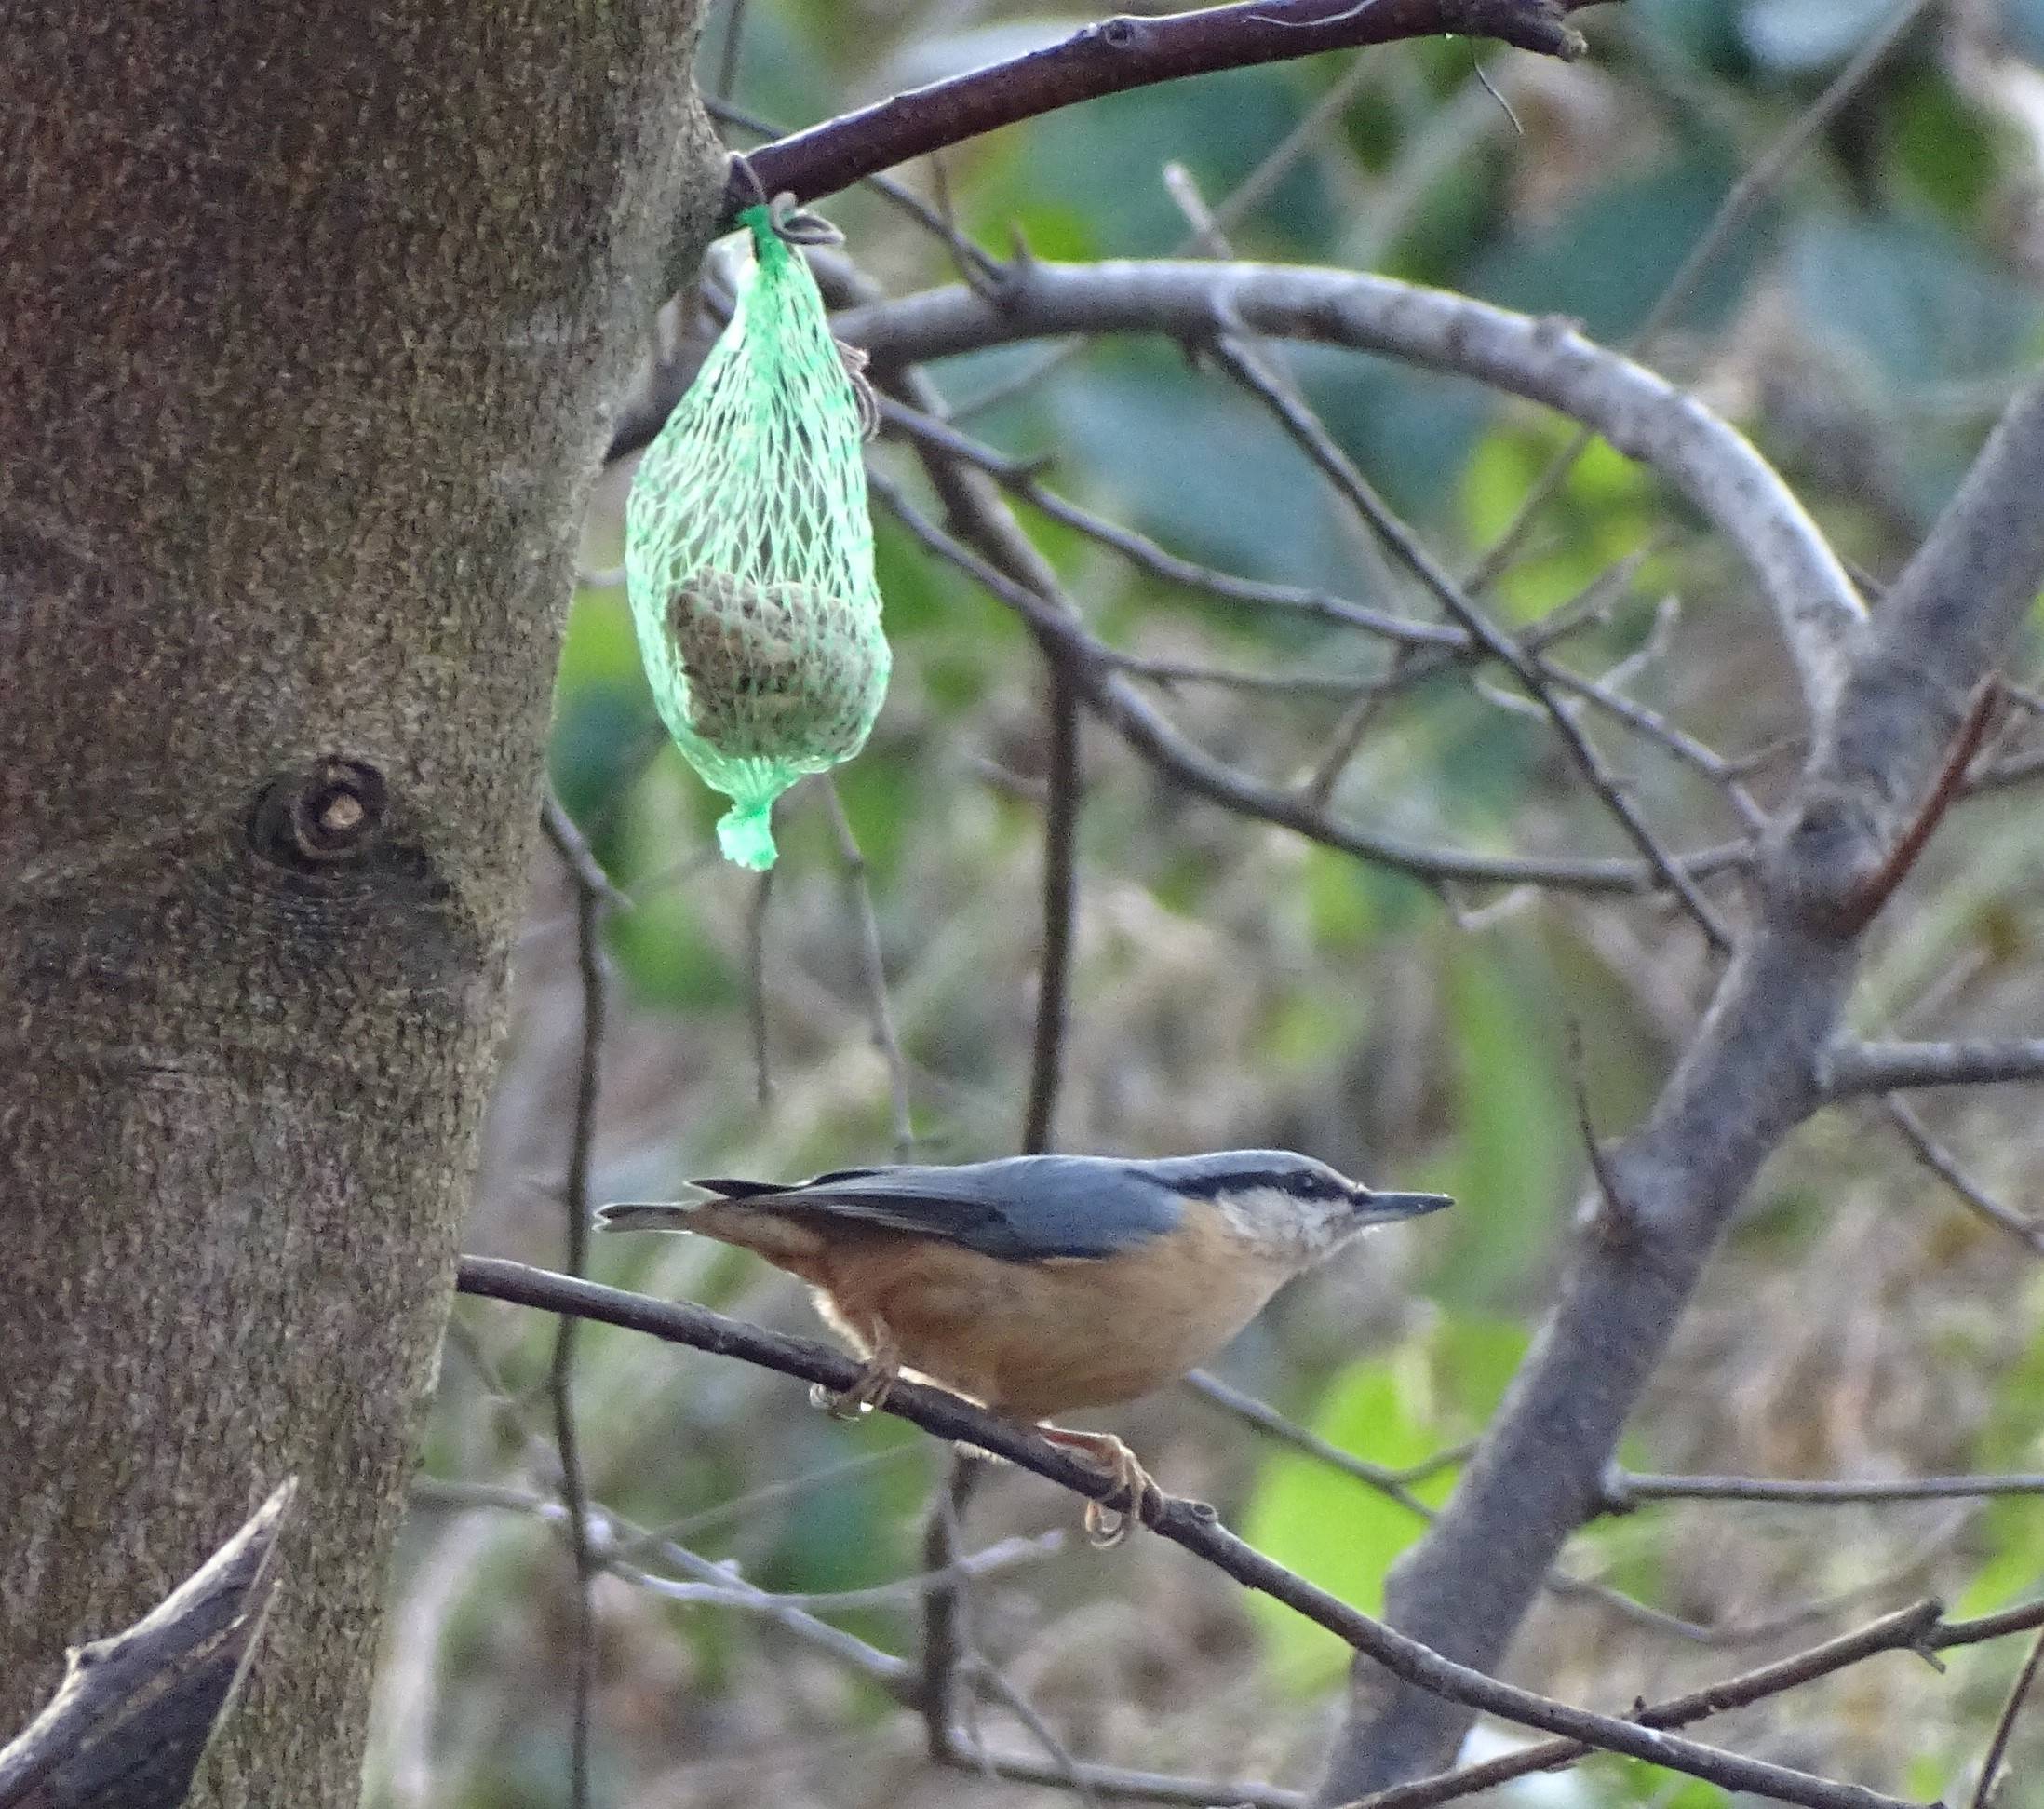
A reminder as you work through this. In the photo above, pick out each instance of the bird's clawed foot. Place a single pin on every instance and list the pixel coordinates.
(877, 1376)
(1109, 1526)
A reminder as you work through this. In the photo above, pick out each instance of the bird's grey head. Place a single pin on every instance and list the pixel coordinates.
(1291, 1204)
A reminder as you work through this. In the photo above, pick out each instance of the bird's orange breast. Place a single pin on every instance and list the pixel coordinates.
(1034, 1339)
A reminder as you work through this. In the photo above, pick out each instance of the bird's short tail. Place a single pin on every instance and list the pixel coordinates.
(681, 1215)
(773, 1236)
(647, 1215)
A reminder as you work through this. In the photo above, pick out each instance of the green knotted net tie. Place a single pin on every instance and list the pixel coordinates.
(748, 551)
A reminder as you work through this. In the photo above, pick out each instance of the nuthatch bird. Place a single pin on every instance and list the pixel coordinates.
(1039, 1284)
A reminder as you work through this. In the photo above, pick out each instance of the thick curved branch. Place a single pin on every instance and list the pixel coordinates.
(1187, 1524)
(1751, 1076)
(1708, 461)
(1122, 53)
(1013, 571)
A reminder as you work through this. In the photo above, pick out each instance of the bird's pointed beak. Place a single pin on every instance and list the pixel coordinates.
(1375, 1208)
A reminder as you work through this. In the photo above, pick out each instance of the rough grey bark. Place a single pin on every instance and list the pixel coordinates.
(311, 321)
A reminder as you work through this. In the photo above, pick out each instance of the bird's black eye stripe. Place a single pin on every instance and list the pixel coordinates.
(1300, 1183)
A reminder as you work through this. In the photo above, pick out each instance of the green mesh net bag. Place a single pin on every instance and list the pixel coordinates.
(748, 553)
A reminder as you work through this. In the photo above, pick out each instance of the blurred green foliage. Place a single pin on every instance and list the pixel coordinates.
(1397, 1413)
(1313, 1520)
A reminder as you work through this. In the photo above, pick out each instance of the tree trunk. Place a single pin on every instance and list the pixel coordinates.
(311, 321)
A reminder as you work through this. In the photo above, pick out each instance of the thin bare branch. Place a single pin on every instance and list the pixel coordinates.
(1263, 1418)
(1908, 1629)
(896, 1675)
(592, 894)
(584, 869)
(1990, 1767)
(1396, 1486)
(989, 1679)
(908, 1592)
(1613, 1218)
(1848, 914)
(1590, 605)
(944, 1643)
(2006, 774)
(1252, 189)
(617, 1544)
(1274, 164)
(1627, 1489)
(731, 50)
(1854, 1068)
(1119, 54)
(2020, 1617)
(873, 964)
(1941, 1162)
(750, 1504)
(1309, 681)
(756, 909)
(1060, 901)
(1118, 1781)
(1022, 479)
(617, 1541)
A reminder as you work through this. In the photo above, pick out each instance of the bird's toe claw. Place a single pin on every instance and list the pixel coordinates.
(1109, 1522)
(870, 1390)
(1107, 1527)
(841, 1404)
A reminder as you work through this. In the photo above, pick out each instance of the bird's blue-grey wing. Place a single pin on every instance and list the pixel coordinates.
(729, 1188)
(1021, 1208)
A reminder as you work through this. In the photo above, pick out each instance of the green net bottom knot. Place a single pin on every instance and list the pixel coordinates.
(746, 834)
